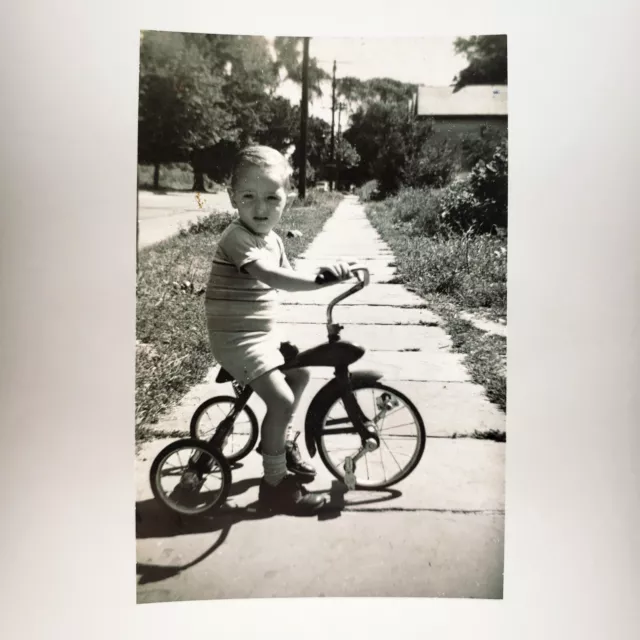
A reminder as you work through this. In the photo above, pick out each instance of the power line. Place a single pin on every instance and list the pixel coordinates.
(338, 61)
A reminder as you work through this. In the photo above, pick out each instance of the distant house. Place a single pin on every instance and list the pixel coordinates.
(468, 110)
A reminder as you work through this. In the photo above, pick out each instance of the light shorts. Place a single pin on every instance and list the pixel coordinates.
(247, 355)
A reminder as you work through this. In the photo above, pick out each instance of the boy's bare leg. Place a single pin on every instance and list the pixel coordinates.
(278, 490)
(276, 421)
(276, 393)
(298, 380)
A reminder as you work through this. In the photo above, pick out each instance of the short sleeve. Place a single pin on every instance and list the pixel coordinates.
(241, 247)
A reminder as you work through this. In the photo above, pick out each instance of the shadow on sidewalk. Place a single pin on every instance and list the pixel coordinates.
(153, 521)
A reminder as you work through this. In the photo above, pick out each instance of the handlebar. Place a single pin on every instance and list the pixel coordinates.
(327, 276)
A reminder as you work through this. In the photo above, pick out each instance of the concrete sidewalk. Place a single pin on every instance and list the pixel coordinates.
(437, 533)
(162, 215)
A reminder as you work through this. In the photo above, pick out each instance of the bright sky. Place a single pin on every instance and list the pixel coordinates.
(429, 61)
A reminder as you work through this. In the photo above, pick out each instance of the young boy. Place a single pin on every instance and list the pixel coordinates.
(249, 265)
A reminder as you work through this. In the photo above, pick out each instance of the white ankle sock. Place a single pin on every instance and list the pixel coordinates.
(289, 434)
(275, 468)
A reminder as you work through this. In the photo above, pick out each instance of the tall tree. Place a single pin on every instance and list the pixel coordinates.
(389, 90)
(249, 82)
(181, 102)
(391, 145)
(352, 90)
(289, 59)
(281, 124)
(487, 57)
(355, 91)
(360, 94)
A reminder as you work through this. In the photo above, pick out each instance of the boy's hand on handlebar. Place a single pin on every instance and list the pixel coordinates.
(337, 272)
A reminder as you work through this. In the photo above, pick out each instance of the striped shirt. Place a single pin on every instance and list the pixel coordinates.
(235, 300)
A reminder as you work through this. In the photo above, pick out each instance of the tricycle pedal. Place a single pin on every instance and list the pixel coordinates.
(349, 476)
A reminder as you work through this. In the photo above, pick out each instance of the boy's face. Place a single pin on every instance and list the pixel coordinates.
(260, 197)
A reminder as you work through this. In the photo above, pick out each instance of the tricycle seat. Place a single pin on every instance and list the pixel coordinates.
(224, 376)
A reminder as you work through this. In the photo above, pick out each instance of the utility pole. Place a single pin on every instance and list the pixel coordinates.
(333, 126)
(137, 222)
(340, 107)
(304, 120)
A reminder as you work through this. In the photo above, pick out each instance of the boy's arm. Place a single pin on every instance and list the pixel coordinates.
(288, 279)
(284, 261)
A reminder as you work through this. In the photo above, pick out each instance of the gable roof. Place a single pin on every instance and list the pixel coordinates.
(472, 100)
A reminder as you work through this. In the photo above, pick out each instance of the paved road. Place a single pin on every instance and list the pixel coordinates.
(162, 215)
(438, 533)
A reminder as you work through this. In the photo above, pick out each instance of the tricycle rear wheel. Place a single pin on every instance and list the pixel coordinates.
(244, 434)
(190, 477)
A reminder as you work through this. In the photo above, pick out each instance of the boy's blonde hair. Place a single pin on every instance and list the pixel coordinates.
(261, 156)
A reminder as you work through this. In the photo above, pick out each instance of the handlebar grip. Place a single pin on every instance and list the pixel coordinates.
(325, 277)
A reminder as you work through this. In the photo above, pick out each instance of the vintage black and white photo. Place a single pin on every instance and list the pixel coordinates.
(321, 323)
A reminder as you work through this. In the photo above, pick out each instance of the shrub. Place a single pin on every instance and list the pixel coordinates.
(457, 206)
(433, 166)
(368, 191)
(419, 208)
(481, 199)
(489, 183)
(476, 147)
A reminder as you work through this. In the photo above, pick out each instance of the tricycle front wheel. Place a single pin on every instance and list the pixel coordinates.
(397, 423)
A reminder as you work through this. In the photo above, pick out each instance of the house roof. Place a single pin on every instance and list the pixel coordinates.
(472, 100)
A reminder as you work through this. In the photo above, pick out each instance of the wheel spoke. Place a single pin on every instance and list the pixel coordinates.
(341, 449)
(384, 417)
(400, 408)
(207, 489)
(374, 471)
(171, 469)
(394, 458)
(397, 426)
(241, 431)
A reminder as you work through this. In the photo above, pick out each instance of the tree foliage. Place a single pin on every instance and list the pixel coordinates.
(181, 102)
(289, 52)
(487, 57)
(389, 90)
(396, 148)
(202, 97)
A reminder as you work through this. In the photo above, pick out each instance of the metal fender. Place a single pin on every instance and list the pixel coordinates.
(330, 392)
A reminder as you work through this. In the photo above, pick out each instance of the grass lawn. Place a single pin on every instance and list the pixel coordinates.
(173, 177)
(453, 275)
(172, 351)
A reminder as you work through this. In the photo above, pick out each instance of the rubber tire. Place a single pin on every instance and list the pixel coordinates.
(255, 428)
(421, 429)
(225, 470)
